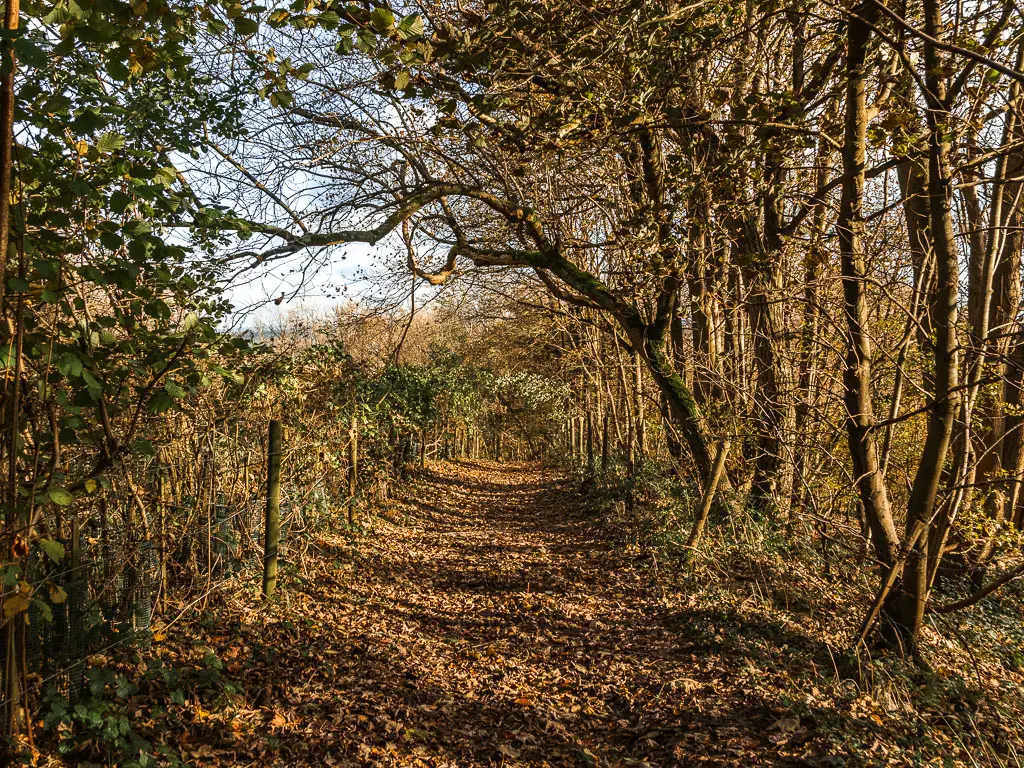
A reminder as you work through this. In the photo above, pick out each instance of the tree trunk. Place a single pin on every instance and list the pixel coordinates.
(907, 603)
(850, 225)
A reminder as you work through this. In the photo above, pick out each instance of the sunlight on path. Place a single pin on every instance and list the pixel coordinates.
(487, 624)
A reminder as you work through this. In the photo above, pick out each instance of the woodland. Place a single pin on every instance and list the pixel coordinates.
(512, 383)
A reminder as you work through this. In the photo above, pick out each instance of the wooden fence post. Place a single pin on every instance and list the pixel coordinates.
(272, 525)
(162, 501)
(591, 468)
(604, 444)
(641, 423)
(353, 468)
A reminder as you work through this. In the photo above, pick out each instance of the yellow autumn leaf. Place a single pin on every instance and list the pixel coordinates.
(19, 601)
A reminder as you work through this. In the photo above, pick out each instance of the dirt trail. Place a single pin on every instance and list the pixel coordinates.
(487, 625)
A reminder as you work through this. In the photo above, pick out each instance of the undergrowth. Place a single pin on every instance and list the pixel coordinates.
(797, 601)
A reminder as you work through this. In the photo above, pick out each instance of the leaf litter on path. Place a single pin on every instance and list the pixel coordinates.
(483, 621)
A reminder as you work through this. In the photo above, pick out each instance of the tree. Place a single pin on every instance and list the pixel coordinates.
(665, 165)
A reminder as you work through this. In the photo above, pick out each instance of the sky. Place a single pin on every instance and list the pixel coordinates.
(339, 276)
(369, 275)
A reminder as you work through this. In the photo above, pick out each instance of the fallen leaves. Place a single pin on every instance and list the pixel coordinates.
(494, 626)
(278, 720)
(508, 751)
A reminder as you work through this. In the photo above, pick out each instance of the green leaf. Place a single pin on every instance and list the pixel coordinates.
(246, 26)
(382, 19)
(18, 285)
(281, 99)
(118, 70)
(110, 142)
(402, 80)
(302, 73)
(144, 447)
(60, 496)
(54, 549)
(137, 227)
(166, 177)
(93, 384)
(159, 402)
(69, 364)
(63, 12)
(231, 376)
(31, 54)
(410, 26)
(119, 202)
(328, 20)
(366, 41)
(45, 610)
(111, 241)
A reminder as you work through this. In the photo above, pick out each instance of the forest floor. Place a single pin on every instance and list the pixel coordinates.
(487, 620)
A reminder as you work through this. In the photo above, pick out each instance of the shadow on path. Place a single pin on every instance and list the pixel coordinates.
(495, 627)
